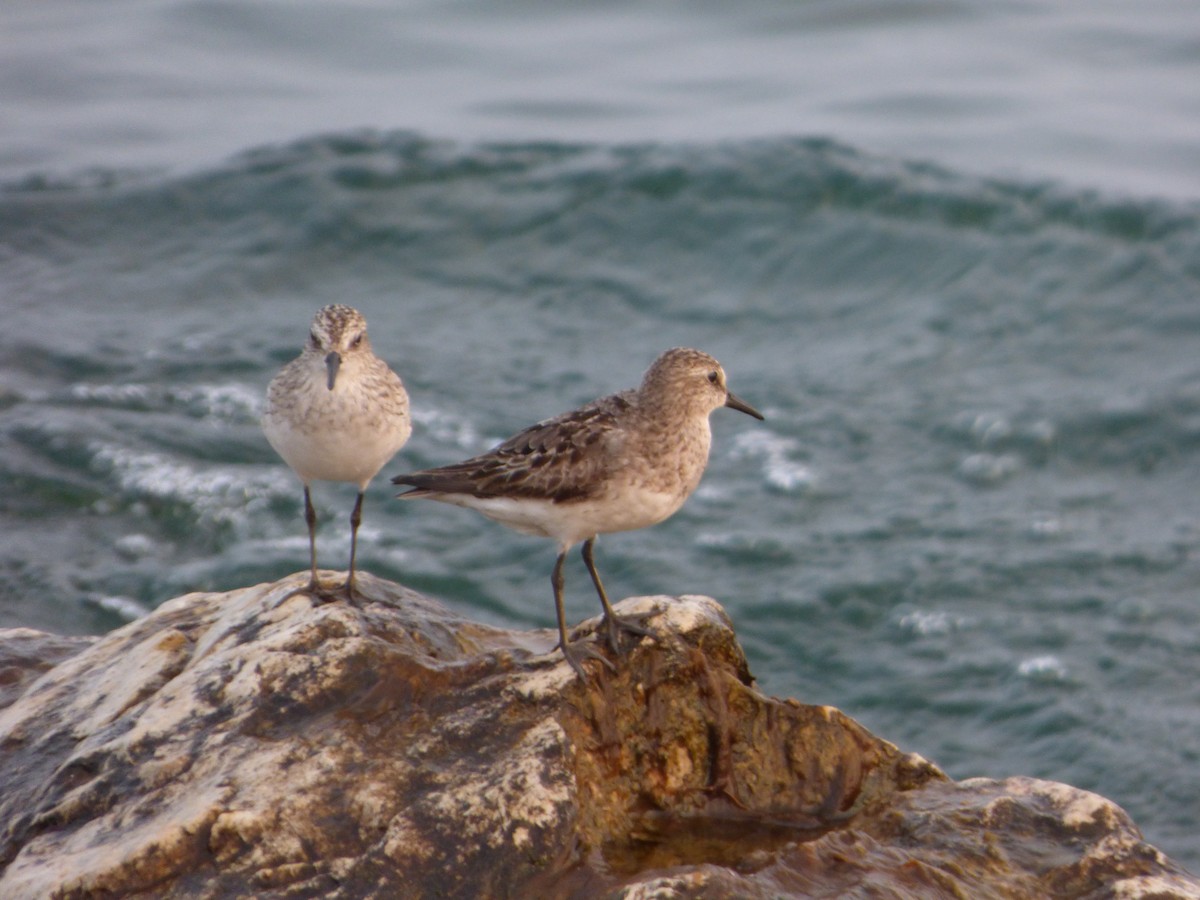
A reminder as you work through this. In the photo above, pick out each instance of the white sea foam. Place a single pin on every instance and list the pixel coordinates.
(125, 607)
(135, 546)
(712, 491)
(228, 402)
(929, 623)
(231, 401)
(1046, 526)
(988, 468)
(779, 469)
(1043, 668)
(113, 394)
(990, 429)
(224, 494)
(449, 428)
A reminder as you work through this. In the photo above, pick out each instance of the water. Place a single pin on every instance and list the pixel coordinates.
(951, 250)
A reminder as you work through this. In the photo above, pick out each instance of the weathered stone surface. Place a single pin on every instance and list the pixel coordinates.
(256, 744)
(25, 654)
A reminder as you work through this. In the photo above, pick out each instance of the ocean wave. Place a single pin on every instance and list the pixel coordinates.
(1044, 669)
(982, 396)
(336, 187)
(931, 623)
(125, 608)
(223, 495)
(231, 403)
(448, 428)
(776, 455)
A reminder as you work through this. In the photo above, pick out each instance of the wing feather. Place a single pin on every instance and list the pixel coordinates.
(564, 458)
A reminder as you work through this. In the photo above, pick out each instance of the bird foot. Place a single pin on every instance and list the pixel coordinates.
(630, 625)
(331, 594)
(576, 653)
(319, 592)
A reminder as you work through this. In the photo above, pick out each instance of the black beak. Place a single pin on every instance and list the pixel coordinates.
(333, 362)
(741, 406)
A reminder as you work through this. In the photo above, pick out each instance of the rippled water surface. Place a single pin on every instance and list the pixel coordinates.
(971, 517)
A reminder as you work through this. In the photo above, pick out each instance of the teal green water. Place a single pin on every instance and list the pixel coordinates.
(970, 518)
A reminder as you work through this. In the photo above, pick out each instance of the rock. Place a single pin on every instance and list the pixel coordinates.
(25, 654)
(258, 744)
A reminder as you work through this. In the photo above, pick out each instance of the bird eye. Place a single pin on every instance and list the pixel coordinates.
(714, 378)
(357, 340)
(313, 340)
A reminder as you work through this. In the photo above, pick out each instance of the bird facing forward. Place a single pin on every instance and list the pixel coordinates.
(336, 413)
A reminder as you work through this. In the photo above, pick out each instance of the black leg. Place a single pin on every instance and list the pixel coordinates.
(310, 516)
(611, 620)
(556, 581)
(355, 521)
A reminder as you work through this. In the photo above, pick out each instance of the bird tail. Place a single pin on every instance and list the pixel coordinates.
(426, 484)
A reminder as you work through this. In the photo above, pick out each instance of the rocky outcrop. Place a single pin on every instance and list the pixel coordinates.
(25, 654)
(261, 744)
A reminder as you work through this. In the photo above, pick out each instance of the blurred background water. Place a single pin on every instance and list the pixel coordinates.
(951, 249)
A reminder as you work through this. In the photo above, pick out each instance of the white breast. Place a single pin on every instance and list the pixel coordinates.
(571, 522)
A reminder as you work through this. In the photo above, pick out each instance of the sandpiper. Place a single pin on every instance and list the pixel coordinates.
(336, 413)
(622, 462)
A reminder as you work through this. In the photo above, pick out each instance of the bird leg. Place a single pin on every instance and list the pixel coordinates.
(556, 581)
(355, 521)
(310, 516)
(314, 586)
(611, 620)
